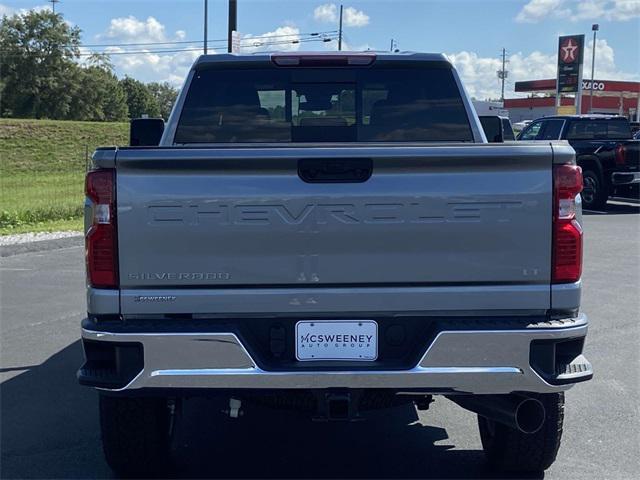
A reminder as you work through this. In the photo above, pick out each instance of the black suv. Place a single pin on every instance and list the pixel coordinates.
(605, 150)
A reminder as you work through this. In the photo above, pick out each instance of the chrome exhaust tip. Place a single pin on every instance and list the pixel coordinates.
(523, 413)
(530, 415)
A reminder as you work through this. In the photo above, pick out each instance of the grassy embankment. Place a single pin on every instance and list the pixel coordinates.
(42, 165)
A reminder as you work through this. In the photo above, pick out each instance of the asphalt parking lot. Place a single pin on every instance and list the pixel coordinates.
(49, 424)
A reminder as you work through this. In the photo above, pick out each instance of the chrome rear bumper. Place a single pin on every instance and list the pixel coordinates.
(625, 178)
(464, 361)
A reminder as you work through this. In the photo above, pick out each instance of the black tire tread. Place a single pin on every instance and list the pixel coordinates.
(135, 435)
(512, 451)
(602, 194)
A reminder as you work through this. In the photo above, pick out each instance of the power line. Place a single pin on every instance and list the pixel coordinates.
(140, 52)
(260, 43)
(192, 49)
(251, 42)
(219, 40)
(308, 34)
(141, 44)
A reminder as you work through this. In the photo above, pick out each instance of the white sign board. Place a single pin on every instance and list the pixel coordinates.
(235, 42)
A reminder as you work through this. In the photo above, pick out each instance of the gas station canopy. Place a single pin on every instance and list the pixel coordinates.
(609, 96)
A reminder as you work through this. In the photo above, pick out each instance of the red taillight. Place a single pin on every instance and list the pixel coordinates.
(101, 241)
(620, 155)
(567, 233)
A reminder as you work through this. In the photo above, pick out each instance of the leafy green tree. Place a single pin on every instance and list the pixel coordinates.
(40, 76)
(99, 96)
(115, 104)
(37, 64)
(102, 60)
(165, 96)
(139, 98)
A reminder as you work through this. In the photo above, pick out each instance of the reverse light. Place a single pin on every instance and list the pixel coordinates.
(101, 247)
(567, 232)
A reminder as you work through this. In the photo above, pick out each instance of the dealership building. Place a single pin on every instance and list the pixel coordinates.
(609, 97)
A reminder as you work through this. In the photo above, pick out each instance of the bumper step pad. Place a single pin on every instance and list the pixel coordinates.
(578, 370)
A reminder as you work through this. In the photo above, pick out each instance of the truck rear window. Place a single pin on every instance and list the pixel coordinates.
(323, 105)
(599, 130)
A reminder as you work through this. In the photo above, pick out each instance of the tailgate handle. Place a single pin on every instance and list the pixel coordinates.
(335, 170)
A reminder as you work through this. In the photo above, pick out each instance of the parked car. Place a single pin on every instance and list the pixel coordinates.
(497, 129)
(605, 149)
(519, 126)
(331, 233)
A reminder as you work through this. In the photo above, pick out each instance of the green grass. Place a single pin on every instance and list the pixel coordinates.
(42, 165)
(73, 225)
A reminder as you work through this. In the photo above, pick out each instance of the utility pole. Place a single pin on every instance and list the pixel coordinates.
(206, 21)
(233, 23)
(340, 31)
(504, 55)
(53, 5)
(503, 73)
(595, 27)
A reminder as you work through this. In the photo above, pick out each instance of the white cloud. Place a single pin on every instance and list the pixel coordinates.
(479, 73)
(130, 29)
(152, 66)
(606, 68)
(285, 38)
(146, 64)
(536, 10)
(355, 18)
(614, 10)
(625, 10)
(577, 10)
(328, 13)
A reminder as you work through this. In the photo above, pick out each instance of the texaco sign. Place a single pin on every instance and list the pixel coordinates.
(597, 86)
(570, 55)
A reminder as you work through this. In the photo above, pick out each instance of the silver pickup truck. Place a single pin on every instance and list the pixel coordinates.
(332, 233)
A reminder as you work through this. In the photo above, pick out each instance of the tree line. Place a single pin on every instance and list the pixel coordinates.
(41, 76)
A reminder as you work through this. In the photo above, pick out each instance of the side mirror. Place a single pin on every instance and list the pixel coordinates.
(146, 132)
(492, 126)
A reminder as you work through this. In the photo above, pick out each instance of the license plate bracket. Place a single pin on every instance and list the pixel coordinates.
(338, 340)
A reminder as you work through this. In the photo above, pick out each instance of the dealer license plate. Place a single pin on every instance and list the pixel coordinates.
(337, 340)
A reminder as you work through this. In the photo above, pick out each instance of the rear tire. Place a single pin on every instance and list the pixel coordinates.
(594, 192)
(509, 450)
(135, 435)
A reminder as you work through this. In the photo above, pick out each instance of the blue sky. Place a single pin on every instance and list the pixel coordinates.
(471, 32)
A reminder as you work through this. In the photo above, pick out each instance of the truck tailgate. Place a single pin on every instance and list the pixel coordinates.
(436, 216)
